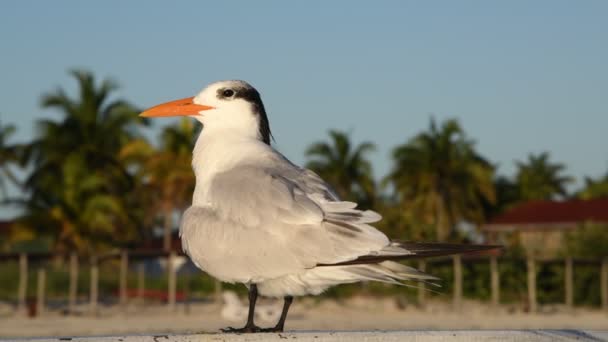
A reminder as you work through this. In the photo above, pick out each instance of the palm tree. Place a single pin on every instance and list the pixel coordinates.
(172, 175)
(594, 188)
(345, 167)
(165, 174)
(440, 177)
(539, 179)
(77, 187)
(506, 195)
(9, 154)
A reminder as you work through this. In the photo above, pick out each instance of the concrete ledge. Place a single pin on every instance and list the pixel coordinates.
(367, 336)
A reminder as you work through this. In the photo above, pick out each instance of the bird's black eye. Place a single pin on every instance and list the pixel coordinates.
(228, 93)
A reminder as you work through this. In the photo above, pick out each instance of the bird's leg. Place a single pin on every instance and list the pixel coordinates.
(281, 324)
(250, 327)
(253, 297)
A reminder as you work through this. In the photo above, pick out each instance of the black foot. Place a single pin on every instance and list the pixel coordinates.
(245, 329)
(272, 330)
(251, 329)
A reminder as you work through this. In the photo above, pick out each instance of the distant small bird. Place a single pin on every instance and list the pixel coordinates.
(258, 219)
(232, 309)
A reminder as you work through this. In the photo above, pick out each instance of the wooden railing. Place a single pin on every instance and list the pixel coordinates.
(126, 257)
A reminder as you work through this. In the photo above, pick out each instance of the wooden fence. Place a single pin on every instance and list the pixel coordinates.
(74, 264)
(125, 258)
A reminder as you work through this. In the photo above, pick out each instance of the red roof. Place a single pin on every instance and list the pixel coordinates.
(552, 213)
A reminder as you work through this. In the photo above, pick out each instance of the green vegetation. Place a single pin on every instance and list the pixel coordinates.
(539, 179)
(76, 189)
(440, 177)
(594, 188)
(9, 154)
(93, 182)
(589, 241)
(345, 167)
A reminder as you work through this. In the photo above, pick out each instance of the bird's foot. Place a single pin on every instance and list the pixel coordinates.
(245, 329)
(272, 330)
(252, 329)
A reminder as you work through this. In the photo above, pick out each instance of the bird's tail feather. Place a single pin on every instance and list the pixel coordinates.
(381, 266)
(398, 250)
(386, 272)
(390, 271)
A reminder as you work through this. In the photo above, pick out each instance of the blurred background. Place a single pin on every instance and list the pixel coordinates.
(469, 121)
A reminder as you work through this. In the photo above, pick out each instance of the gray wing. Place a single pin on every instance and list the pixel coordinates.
(296, 214)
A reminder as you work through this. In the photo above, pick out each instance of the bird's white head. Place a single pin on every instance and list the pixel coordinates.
(231, 107)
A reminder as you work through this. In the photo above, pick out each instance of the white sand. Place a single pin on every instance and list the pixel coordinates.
(306, 314)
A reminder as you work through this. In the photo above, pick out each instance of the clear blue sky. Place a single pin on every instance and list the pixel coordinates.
(521, 76)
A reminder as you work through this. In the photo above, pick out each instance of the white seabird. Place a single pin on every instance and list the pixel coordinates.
(258, 219)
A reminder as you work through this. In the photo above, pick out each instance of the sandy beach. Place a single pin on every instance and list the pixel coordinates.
(360, 313)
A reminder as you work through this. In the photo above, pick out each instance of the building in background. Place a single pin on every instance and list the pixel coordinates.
(541, 226)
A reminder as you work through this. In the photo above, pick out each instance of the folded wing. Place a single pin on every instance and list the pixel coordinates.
(297, 210)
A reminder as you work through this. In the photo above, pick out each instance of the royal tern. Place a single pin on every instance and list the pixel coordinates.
(258, 219)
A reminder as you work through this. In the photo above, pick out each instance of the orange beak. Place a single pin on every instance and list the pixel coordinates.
(181, 107)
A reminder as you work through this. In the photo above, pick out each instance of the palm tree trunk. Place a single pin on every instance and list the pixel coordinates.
(167, 231)
(440, 221)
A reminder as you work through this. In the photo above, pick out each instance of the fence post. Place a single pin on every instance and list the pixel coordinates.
(93, 288)
(421, 285)
(568, 283)
(186, 284)
(172, 281)
(22, 290)
(604, 284)
(40, 291)
(124, 266)
(495, 280)
(531, 267)
(141, 278)
(457, 282)
(73, 291)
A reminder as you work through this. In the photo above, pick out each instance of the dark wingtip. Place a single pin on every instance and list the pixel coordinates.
(429, 249)
(420, 250)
